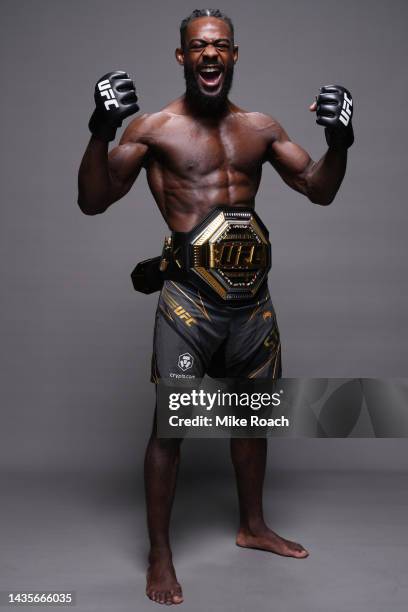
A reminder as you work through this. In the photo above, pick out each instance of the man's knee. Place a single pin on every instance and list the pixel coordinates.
(166, 443)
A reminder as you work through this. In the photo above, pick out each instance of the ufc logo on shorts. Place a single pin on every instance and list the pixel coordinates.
(107, 91)
(185, 316)
(346, 110)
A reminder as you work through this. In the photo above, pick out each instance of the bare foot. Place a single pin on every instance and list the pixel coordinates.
(266, 539)
(162, 586)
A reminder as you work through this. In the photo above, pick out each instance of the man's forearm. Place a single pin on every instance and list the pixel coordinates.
(94, 181)
(115, 99)
(324, 177)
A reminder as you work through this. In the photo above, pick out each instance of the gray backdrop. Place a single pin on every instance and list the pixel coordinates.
(76, 339)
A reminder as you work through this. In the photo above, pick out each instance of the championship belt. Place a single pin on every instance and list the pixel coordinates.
(228, 255)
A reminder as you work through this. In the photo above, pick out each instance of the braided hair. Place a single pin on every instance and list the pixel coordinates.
(207, 12)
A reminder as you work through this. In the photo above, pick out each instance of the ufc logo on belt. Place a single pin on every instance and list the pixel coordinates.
(107, 91)
(238, 255)
(346, 110)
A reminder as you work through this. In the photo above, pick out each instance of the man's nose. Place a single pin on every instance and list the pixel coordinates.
(210, 52)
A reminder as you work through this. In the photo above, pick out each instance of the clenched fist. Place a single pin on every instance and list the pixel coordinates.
(334, 110)
(115, 99)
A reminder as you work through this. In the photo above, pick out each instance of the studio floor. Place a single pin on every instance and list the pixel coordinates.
(86, 533)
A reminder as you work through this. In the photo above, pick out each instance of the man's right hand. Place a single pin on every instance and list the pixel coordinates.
(115, 99)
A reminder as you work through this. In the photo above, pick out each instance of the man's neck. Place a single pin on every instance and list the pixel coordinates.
(201, 111)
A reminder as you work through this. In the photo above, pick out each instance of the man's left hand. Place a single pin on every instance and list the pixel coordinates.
(334, 110)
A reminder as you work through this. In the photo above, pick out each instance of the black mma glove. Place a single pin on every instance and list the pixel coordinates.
(334, 110)
(115, 99)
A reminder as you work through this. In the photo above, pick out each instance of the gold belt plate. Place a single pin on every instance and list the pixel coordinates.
(232, 253)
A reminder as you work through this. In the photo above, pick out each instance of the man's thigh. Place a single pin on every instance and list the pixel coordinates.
(188, 331)
(253, 348)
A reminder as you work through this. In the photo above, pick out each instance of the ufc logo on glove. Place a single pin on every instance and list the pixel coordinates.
(346, 110)
(107, 91)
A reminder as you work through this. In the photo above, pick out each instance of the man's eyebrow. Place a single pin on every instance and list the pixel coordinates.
(218, 40)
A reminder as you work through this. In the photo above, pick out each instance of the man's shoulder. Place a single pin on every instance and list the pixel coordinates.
(145, 125)
(262, 121)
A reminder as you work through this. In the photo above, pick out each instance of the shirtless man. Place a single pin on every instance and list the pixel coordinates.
(200, 152)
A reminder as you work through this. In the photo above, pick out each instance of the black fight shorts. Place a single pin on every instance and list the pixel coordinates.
(195, 335)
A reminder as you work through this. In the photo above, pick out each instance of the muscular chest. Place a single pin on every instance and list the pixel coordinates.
(190, 149)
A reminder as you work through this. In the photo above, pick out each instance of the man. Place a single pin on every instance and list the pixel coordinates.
(200, 153)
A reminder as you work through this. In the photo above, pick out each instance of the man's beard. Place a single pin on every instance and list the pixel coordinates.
(204, 104)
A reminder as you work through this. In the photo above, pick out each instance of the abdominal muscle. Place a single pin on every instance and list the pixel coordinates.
(184, 202)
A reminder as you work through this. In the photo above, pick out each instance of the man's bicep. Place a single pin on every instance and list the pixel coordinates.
(290, 161)
(125, 163)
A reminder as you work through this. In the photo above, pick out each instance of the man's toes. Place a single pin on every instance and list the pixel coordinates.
(150, 594)
(177, 596)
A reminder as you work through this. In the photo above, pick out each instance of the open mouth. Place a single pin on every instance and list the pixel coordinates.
(210, 76)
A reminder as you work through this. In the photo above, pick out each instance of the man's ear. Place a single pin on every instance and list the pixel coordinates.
(179, 56)
(235, 52)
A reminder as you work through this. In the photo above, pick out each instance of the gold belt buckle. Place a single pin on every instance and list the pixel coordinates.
(231, 253)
